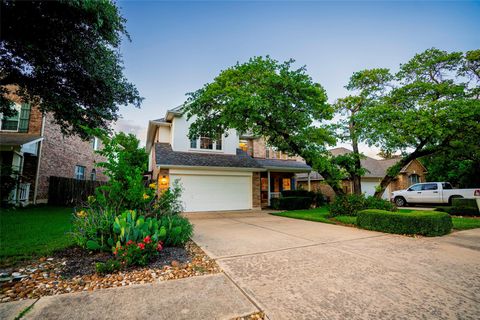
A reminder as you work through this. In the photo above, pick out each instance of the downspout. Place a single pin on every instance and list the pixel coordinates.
(42, 131)
(269, 195)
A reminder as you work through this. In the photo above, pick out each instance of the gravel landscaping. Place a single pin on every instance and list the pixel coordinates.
(73, 270)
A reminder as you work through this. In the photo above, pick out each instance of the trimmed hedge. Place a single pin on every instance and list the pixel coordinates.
(291, 203)
(461, 207)
(350, 205)
(427, 223)
(318, 199)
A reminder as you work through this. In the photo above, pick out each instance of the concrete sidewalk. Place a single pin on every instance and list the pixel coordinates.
(203, 297)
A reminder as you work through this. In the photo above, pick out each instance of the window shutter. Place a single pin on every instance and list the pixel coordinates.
(24, 118)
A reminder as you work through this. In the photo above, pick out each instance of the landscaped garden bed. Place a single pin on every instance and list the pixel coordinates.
(129, 232)
(73, 270)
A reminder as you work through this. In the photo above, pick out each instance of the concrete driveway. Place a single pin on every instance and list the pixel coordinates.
(294, 269)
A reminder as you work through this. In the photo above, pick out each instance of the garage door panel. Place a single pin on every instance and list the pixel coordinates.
(213, 193)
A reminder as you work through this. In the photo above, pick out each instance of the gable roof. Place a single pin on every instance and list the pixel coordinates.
(165, 156)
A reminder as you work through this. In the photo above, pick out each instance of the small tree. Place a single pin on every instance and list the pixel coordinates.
(125, 165)
(368, 84)
(272, 100)
(433, 107)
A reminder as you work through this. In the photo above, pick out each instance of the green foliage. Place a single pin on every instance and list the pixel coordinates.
(461, 207)
(109, 266)
(427, 223)
(431, 107)
(268, 99)
(291, 203)
(318, 198)
(92, 228)
(178, 230)
(130, 227)
(124, 166)
(350, 205)
(9, 178)
(168, 203)
(137, 253)
(69, 61)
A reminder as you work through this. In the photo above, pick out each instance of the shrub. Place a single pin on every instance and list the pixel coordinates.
(465, 207)
(318, 198)
(137, 252)
(109, 266)
(291, 203)
(350, 205)
(426, 223)
(128, 227)
(92, 228)
(178, 230)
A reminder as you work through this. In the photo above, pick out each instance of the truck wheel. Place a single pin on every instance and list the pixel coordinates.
(450, 200)
(400, 201)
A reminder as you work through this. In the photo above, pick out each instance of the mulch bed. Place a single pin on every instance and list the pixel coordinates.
(73, 270)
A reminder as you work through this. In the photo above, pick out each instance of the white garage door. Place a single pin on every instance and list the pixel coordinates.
(368, 187)
(215, 192)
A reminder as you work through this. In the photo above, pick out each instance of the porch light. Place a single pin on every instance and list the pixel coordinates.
(164, 181)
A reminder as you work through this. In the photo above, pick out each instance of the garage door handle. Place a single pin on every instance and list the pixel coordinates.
(435, 191)
(419, 192)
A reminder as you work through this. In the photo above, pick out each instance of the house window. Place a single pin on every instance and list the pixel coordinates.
(94, 143)
(93, 175)
(17, 122)
(286, 184)
(80, 172)
(206, 143)
(413, 179)
(218, 143)
(267, 153)
(243, 145)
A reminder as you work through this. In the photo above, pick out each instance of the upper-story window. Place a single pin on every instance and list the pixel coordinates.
(206, 143)
(18, 121)
(94, 143)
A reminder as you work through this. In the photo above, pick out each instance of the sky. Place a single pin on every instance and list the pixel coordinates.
(177, 47)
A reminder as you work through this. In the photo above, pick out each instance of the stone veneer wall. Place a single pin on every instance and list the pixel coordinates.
(256, 200)
(60, 154)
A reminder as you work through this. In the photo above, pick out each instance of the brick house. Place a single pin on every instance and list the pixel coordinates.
(229, 172)
(413, 172)
(35, 148)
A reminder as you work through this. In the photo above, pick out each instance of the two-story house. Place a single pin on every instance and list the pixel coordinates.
(229, 172)
(33, 148)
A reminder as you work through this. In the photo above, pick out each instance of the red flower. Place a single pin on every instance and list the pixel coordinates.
(115, 252)
(129, 242)
(159, 246)
(141, 246)
(147, 239)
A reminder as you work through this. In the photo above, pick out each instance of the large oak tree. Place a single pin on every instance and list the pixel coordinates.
(64, 56)
(272, 100)
(433, 107)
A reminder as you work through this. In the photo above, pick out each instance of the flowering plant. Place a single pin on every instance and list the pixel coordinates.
(137, 253)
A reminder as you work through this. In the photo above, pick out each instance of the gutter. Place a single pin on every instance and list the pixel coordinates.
(166, 166)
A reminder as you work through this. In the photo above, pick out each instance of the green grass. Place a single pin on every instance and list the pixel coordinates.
(31, 232)
(460, 223)
(317, 214)
(321, 215)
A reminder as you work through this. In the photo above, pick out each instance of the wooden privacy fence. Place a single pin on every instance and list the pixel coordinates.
(69, 191)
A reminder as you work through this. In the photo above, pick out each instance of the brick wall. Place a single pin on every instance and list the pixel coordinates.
(60, 154)
(318, 186)
(256, 200)
(35, 121)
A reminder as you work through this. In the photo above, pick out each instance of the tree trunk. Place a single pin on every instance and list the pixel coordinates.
(356, 178)
(388, 178)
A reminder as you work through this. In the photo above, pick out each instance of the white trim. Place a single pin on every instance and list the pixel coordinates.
(210, 173)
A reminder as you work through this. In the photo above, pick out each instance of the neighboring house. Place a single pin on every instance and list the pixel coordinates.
(34, 147)
(412, 173)
(229, 172)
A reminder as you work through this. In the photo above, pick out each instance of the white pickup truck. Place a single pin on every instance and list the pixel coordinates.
(431, 193)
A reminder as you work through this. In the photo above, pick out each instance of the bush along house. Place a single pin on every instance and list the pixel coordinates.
(228, 172)
(33, 148)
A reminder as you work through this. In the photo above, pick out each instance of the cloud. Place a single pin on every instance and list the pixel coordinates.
(129, 126)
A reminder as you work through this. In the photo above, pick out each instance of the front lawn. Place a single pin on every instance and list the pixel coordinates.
(322, 215)
(33, 232)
